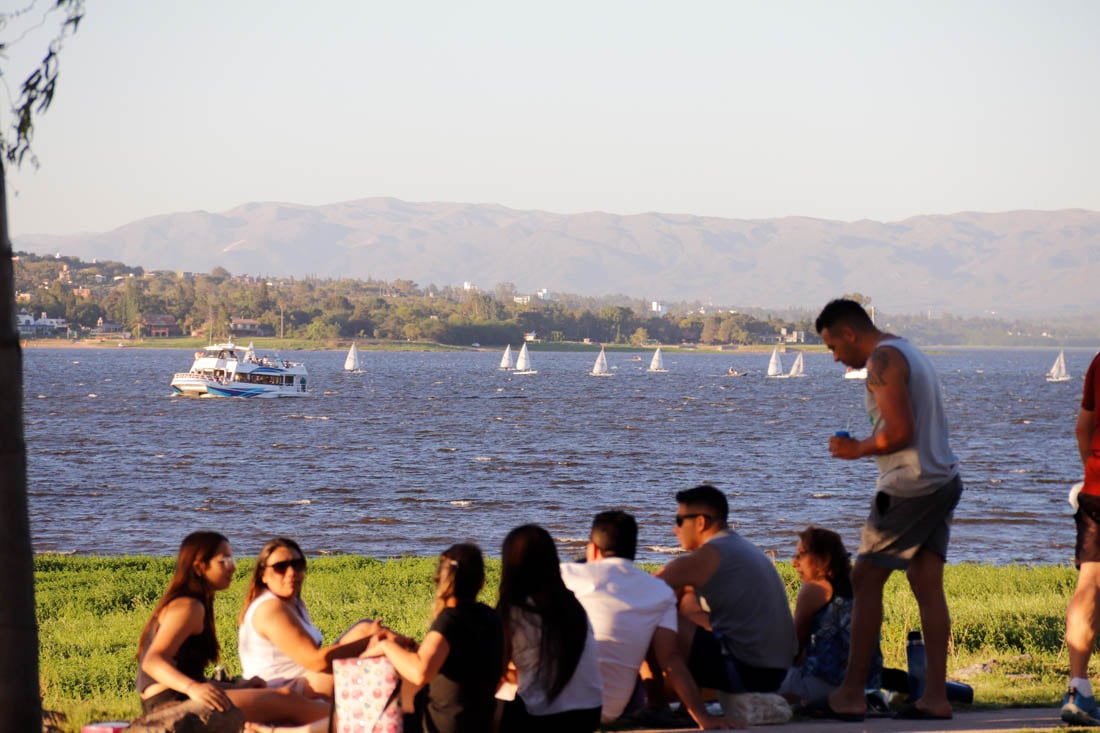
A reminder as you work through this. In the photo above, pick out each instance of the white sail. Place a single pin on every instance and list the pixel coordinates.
(351, 363)
(775, 366)
(599, 369)
(506, 360)
(798, 369)
(523, 362)
(1058, 372)
(657, 364)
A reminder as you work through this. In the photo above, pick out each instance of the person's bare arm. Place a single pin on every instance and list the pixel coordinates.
(180, 619)
(693, 569)
(1086, 426)
(812, 597)
(280, 625)
(887, 380)
(418, 666)
(672, 663)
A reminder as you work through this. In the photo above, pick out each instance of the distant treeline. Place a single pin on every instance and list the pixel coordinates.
(88, 294)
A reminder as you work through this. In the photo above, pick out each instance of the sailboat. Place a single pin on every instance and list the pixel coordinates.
(599, 369)
(1058, 372)
(351, 363)
(657, 364)
(851, 373)
(797, 369)
(523, 362)
(775, 366)
(506, 359)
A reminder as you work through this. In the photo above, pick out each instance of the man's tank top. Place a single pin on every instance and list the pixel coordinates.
(928, 462)
(748, 604)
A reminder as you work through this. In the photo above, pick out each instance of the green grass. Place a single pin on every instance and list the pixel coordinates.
(91, 609)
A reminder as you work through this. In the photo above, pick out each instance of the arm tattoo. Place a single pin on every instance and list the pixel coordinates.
(879, 363)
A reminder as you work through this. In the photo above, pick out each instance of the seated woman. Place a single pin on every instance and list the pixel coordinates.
(460, 659)
(277, 641)
(180, 640)
(547, 640)
(822, 619)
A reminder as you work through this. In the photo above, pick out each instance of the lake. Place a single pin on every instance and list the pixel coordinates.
(426, 449)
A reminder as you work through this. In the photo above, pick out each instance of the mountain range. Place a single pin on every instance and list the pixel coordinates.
(1011, 263)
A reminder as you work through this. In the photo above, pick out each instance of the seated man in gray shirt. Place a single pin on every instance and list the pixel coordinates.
(734, 613)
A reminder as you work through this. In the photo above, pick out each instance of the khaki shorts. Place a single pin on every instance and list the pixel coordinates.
(898, 528)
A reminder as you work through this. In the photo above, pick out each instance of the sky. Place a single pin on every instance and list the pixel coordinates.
(733, 108)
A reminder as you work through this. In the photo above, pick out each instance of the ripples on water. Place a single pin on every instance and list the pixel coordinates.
(427, 449)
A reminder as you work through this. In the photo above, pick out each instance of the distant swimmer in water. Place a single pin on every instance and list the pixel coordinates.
(733, 373)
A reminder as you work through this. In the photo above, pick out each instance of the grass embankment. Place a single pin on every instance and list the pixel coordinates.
(91, 609)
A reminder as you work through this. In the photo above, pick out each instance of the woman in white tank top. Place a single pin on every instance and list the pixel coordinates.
(277, 642)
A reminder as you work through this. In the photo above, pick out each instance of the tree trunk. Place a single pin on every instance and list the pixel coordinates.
(20, 696)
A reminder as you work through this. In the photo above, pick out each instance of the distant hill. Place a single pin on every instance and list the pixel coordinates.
(1020, 262)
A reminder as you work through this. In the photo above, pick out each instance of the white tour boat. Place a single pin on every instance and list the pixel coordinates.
(224, 370)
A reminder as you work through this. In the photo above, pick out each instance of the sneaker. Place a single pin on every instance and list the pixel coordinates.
(1078, 709)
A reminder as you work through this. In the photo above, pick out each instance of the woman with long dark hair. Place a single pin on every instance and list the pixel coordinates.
(180, 641)
(548, 641)
(277, 640)
(822, 619)
(459, 660)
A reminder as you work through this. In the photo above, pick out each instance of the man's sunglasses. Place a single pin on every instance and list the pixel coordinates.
(681, 517)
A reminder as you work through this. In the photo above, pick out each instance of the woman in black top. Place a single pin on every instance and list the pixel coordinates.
(460, 657)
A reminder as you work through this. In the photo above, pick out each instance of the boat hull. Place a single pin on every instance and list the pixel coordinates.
(189, 385)
(218, 371)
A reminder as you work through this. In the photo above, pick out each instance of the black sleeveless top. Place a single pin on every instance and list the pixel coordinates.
(191, 659)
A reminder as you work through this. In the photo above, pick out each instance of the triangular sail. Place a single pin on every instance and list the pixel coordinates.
(798, 369)
(1058, 371)
(506, 359)
(657, 364)
(351, 363)
(775, 366)
(523, 362)
(600, 367)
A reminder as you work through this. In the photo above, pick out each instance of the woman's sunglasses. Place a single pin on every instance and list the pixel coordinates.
(280, 568)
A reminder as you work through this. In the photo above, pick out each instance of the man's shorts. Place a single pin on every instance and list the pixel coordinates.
(898, 528)
(711, 667)
(1088, 528)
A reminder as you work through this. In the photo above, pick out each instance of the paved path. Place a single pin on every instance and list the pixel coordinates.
(970, 721)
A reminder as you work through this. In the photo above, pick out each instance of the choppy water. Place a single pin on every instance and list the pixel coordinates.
(426, 449)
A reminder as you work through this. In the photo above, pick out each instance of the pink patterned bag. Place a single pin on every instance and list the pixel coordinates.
(366, 696)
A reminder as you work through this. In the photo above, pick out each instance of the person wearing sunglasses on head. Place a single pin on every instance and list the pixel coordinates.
(736, 626)
(277, 641)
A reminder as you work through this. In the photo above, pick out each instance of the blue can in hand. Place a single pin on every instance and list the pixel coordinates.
(842, 434)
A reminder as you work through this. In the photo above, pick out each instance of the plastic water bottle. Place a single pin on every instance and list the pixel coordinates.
(914, 652)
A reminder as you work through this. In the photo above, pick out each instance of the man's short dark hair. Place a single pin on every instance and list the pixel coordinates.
(846, 313)
(615, 533)
(707, 497)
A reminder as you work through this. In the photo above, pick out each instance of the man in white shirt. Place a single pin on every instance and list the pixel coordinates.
(630, 612)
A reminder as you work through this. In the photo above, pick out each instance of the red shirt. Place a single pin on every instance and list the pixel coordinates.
(1089, 401)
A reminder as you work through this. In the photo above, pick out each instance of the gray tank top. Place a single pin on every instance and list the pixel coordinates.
(928, 462)
(748, 604)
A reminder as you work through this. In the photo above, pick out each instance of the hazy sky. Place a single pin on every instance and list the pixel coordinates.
(742, 109)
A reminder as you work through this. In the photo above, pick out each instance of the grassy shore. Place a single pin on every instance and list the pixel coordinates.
(1006, 640)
